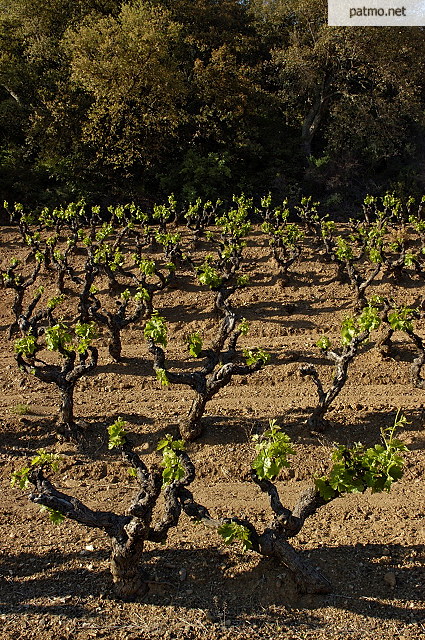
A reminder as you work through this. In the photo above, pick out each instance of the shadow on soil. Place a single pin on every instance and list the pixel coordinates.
(231, 428)
(128, 366)
(364, 427)
(216, 582)
(20, 583)
(37, 434)
(33, 434)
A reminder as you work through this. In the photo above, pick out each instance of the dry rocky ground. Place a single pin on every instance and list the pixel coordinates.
(55, 581)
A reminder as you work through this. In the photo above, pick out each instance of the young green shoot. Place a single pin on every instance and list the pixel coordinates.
(231, 531)
(194, 344)
(161, 376)
(42, 460)
(356, 469)
(273, 449)
(156, 329)
(253, 356)
(26, 346)
(173, 468)
(117, 435)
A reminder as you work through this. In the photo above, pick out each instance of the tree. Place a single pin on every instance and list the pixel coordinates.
(219, 366)
(118, 318)
(339, 85)
(127, 68)
(40, 112)
(355, 331)
(284, 237)
(12, 279)
(355, 470)
(78, 357)
(128, 532)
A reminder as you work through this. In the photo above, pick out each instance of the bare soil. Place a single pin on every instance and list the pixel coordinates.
(55, 581)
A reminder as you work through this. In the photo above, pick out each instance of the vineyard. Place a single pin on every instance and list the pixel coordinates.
(213, 421)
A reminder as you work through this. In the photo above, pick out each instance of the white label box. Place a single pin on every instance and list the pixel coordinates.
(376, 13)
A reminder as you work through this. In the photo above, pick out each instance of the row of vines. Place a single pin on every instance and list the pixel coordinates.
(83, 276)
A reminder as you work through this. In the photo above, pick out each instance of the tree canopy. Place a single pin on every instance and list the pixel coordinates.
(133, 100)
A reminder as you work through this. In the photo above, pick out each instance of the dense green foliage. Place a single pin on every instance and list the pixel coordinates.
(358, 468)
(131, 100)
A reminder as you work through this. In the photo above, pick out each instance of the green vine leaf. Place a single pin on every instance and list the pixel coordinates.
(323, 343)
(231, 531)
(42, 459)
(20, 478)
(208, 275)
(58, 337)
(194, 344)
(141, 294)
(26, 346)
(349, 330)
(173, 467)
(401, 319)
(117, 434)
(253, 356)
(54, 516)
(52, 303)
(358, 468)
(244, 327)
(156, 329)
(86, 333)
(273, 449)
(161, 376)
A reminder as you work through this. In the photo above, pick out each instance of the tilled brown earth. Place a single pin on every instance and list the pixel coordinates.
(55, 582)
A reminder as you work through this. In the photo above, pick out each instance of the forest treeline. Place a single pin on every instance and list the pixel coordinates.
(112, 101)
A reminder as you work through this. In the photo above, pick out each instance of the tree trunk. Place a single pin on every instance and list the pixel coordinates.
(310, 125)
(416, 370)
(61, 280)
(17, 308)
(313, 118)
(66, 423)
(191, 427)
(127, 574)
(316, 422)
(115, 346)
(308, 578)
(384, 343)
